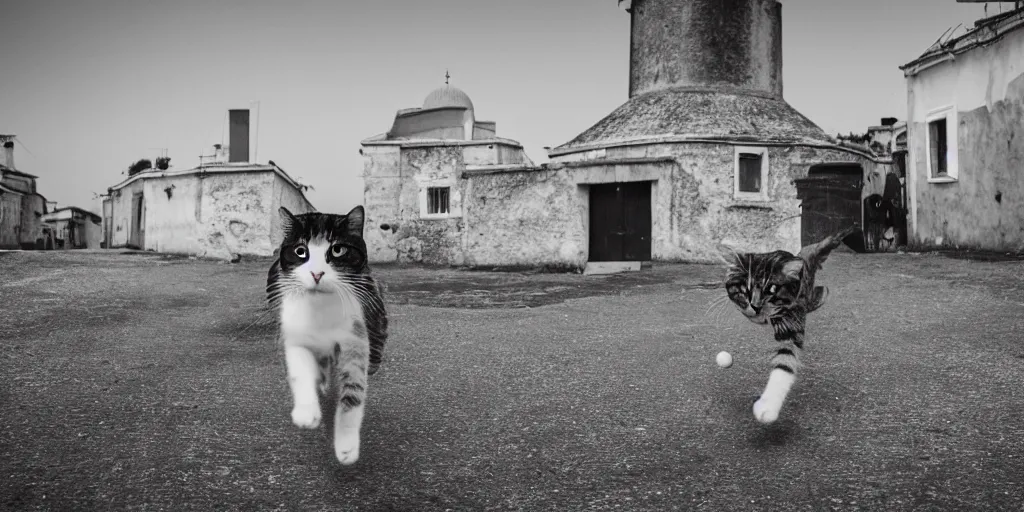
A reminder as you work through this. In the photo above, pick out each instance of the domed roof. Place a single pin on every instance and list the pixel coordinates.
(447, 96)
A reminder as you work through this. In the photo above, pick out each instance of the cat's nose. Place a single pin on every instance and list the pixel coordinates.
(317, 276)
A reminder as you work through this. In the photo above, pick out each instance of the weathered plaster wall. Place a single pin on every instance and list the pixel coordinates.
(236, 214)
(984, 208)
(382, 201)
(396, 180)
(435, 241)
(216, 216)
(171, 222)
(525, 218)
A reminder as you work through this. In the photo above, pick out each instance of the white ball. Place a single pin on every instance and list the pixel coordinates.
(724, 359)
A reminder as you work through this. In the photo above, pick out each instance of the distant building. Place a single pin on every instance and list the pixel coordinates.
(21, 206)
(705, 150)
(225, 206)
(965, 104)
(75, 228)
(417, 183)
(884, 197)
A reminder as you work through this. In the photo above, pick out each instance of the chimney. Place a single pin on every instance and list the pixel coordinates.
(888, 121)
(9, 154)
(238, 139)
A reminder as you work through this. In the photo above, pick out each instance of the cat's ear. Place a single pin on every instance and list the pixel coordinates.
(288, 221)
(793, 268)
(726, 255)
(354, 221)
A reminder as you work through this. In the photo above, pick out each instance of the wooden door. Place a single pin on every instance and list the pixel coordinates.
(135, 235)
(620, 221)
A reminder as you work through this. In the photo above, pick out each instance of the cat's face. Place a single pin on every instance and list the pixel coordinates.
(764, 286)
(320, 249)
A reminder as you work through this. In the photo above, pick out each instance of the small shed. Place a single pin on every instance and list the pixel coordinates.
(215, 210)
(75, 228)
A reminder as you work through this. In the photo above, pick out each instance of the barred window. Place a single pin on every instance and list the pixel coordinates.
(438, 200)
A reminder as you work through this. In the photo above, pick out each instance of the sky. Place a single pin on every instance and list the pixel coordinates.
(91, 86)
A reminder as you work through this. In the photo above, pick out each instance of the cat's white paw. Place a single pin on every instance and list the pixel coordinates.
(306, 416)
(766, 412)
(346, 448)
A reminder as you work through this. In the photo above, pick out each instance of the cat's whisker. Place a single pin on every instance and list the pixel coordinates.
(715, 302)
(365, 300)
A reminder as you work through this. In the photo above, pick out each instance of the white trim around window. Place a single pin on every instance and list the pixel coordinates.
(447, 208)
(952, 168)
(745, 195)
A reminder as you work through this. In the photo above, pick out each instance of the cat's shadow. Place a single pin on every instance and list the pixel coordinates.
(774, 435)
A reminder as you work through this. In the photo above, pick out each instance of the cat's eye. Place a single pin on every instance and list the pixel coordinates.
(338, 250)
(301, 251)
(772, 289)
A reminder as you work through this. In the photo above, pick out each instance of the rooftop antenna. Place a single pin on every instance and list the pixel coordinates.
(446, 77)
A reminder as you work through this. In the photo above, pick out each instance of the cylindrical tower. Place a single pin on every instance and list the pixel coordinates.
(733, 45)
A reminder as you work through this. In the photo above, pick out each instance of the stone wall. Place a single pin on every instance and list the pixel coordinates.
(539, 216)
(525, 218)
(693, 205)
(397, 177)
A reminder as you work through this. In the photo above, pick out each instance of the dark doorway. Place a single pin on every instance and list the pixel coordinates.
(620, 221)
(830, 201)
(138, 230)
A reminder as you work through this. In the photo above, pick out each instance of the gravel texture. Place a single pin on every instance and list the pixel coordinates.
(133, 381)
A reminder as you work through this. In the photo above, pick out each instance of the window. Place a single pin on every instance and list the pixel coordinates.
(941, 149)
(937, 149)
(438, 200)
(751, 174)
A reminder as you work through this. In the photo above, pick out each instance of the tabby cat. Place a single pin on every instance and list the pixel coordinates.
(333, 322)
(777, 288)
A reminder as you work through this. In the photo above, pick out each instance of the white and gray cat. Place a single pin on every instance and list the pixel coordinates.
(333, 322)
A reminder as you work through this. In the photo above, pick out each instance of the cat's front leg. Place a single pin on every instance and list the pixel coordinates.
(348, 417)
(303, 376)
(780, 381)
(768, 406)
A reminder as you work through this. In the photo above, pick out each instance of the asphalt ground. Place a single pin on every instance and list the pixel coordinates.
(142, 382)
